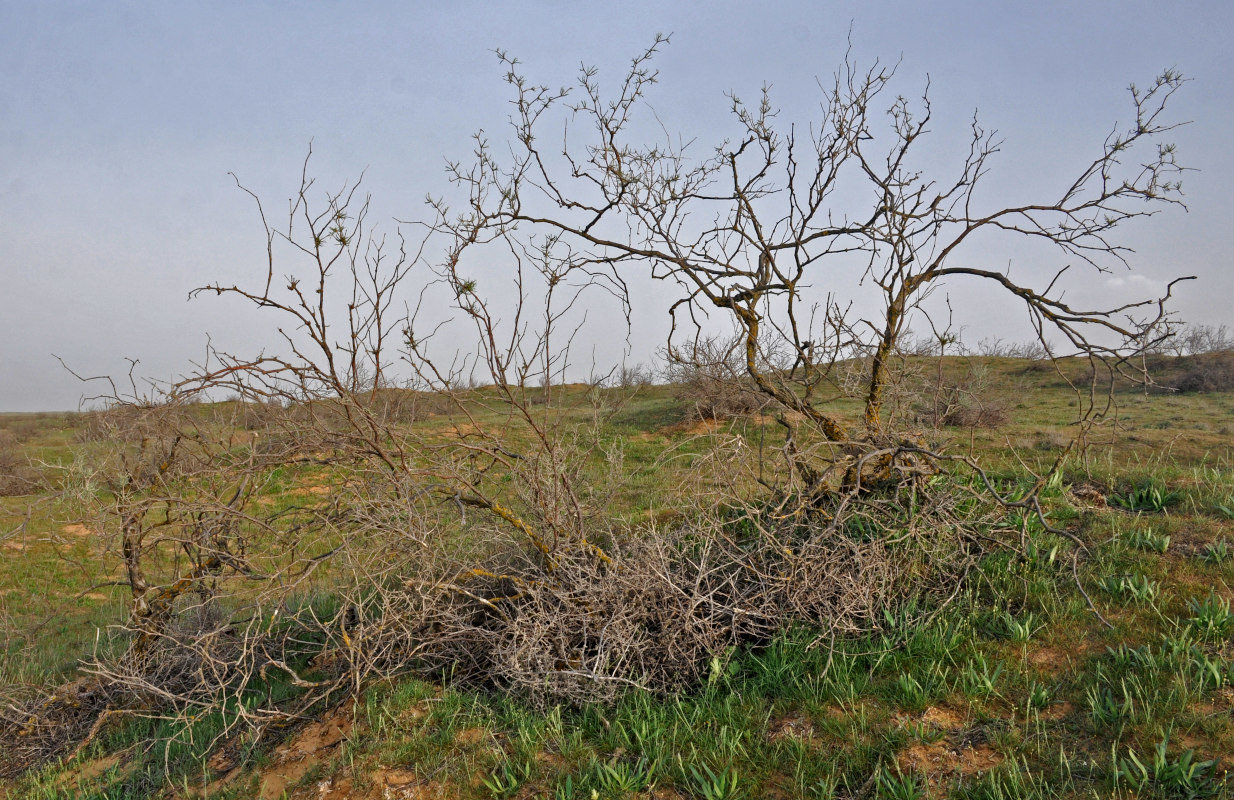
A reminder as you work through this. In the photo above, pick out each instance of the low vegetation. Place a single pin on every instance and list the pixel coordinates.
(1013, 687)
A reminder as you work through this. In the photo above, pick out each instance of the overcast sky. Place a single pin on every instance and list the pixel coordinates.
(120, 121)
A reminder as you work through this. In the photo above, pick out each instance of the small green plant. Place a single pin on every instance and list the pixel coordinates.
(1137, 588)
(910, 692)
(843, 682)
(504, 781)
(1148, 539)
(899, 786)
(1124, 656)
(1038, 697)
(978, 679)
(1216, 552)
(1148, 496)
(1106, 709)
(565, 789)
(1208, 672)
(1009, 781)
(919, 730)
(1182, 778)
(1039, 555)
(625, 777)
(1053, 487)
(1019, 630)
(1211, 618)
(1178, 644)
(711, 785)
(826, 786)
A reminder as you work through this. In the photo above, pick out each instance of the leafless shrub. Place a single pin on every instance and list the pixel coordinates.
(1030, 350)
(39, 723)
(667, 601)
(401, 406)
(1206, 372)
(89, 427)
(257, 415)
(907, 380)
(651, 608)
(634, 376)
(960, 410)
(744, 226)
(17, 475)
(9, 461)
(710, 378)
(912, 345)
(132, 422)
(1199, 339)
(969, 401)
(663, 602)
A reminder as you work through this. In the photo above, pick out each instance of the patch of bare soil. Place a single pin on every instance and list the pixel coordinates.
(1051, 660)
(944, 760)
(1058, 711)
(1191, 540)
(470, 736)
(698, 427)
(669, 794)
(793, 726)
(312, 745)
(943, 719)
(310, 492)
(398, 784)
(958, 754)
(1090, 493)
(1219, 703)
(316, 744)
(87, 771)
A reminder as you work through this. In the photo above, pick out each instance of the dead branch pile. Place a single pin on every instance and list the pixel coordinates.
(966, 401)
(710, 377)
(666, 602)
(17, 476)
(648, 607)
(37, 724)
(1207, 372)
(652, 609)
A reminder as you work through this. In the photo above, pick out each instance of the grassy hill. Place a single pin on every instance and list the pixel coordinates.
(1093, 663)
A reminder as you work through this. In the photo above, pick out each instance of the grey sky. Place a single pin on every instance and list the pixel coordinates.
(120, 121)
